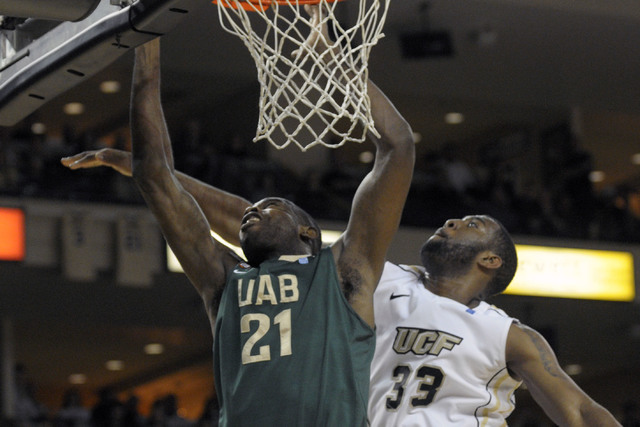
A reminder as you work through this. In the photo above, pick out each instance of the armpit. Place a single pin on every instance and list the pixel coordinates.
(350, 279)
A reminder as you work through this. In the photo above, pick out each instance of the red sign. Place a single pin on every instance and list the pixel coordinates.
(12, 235)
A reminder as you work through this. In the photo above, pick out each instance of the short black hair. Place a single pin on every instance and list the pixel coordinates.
(502, 244)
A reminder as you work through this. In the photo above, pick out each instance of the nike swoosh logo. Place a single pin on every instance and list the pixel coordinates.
(394, 296)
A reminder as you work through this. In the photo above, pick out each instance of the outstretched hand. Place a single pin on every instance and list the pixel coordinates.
(318, 40)
(118, 160)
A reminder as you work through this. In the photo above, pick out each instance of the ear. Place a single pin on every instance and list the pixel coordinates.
(307, 233)
(489, 260)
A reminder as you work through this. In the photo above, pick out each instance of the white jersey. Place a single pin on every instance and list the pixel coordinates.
(437, 362)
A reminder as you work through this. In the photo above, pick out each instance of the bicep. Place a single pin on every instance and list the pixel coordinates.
(532, 359)
(378, 203)
(374, 220)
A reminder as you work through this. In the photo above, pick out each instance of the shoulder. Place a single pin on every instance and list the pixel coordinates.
(400, 280)
(492, 310)
(525, 344)
(521, 332)
(397, 276)
(392, 272)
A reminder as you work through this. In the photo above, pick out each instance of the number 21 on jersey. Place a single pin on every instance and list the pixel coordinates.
(252, 351)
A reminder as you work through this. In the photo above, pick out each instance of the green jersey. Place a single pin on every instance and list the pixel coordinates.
(289, 350)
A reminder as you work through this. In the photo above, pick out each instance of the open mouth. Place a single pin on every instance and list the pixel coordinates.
(249, 219)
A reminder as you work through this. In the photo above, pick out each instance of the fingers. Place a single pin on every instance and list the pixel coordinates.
(311, 9)
(69, 160)
(318, 40)
(80, 160)
(118, 160)
(87, 159)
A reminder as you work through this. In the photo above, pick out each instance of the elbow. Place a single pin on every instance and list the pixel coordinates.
(403, 147)
(147, 174)
(398, 138)
(592, 413)
(408, 144)
(142, 178)
(139, 170)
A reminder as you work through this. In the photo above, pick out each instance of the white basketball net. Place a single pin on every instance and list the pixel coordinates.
(314, 98)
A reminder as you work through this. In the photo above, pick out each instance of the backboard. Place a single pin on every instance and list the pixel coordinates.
(43, 56)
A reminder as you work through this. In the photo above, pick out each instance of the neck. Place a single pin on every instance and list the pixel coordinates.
(255, 257)
(293, 257)
(461, 289)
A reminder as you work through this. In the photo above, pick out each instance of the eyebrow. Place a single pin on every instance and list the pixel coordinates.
(478, 218)
(275, 201)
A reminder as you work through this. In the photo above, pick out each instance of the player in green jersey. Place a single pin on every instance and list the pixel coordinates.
(294, 323)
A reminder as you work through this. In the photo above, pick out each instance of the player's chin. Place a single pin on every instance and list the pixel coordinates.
(247, 233)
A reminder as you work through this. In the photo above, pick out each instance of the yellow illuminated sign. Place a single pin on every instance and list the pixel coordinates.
(573, 273)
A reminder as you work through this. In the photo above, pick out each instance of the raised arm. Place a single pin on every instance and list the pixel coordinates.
(181, 220)
(223, 210)
(379, 200)
(384, 190)
(377, 205)
(531, 358)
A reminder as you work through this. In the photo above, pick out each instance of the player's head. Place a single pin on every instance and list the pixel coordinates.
(275, 226)
(460, 244)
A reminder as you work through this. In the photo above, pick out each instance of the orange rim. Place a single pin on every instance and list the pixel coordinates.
(262, 5)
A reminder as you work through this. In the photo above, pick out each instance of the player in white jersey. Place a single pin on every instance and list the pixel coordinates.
(437, 361)
(445, 357)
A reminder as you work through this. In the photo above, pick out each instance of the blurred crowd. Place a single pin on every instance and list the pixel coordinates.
(548, 195)
(109, 410)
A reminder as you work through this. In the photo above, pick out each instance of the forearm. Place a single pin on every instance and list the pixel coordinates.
(593, 414)
(148, 130)
(531, 358)
(178, 214)
(223, 210)
(395, 132)
(379, 201)
(577, 410)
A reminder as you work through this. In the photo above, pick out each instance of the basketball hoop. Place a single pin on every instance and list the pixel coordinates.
(264, 4)
(317, 97)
